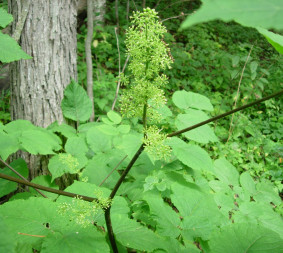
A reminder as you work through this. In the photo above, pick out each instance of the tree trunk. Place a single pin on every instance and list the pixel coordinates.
(99, 7)
(37, 85)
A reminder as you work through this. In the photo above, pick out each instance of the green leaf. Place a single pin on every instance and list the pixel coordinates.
(199, 212)
(44, 180)
(132, 234)
(40, 217)
(186, 100)
(29, 217)
(226, 172)
(63, 128)
(248, 183)
(75, 242)
(77, 147)
(129, 143)
(168, 221)
(249, 238)
(33, 139)
(39, 141)
(253, 66)
(203, 134)
(8, 145)
(124, 129)
(98, 141)
(274, 39)
(108, 129)
(16, 127)
(7, 242)
(76, 104)
(5, 18)
(114, 117)
(266, 14)
(63, 163)
(10, 50)
(7, 186)
(97, 170)
(259, 213)
(191, 155)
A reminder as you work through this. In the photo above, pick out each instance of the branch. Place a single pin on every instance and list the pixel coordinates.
(88, 55)
(113, 170)
(279, 93)
(48, 189)
(119, 84)
(238, 91)
(22, 177)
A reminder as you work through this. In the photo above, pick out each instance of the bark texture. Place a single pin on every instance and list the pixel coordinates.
(37, 85)
(49, 36)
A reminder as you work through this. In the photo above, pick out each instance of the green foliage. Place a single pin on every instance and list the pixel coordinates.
(76, 105)
(240, 11)
(7, 187)
(10, 50)
(207, 196)
(243, 12)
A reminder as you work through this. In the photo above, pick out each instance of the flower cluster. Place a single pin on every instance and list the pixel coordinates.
(149, 56)
(155, 143)
(82, 212)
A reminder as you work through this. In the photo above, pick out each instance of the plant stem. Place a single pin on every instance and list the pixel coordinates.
(112, 195)
(22, 177)
(279, 93)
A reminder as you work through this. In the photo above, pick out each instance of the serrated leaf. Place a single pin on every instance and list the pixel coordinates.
(132, 234)
(199, 212)
(250, 238)
(75, 242)
(7, 242)
(5, 18)
(76, 104)
(124, 129)
(97, 170)
(266, 14)
(31, 219)
(259, 213)
(7, 186)
(39, 218)
(168, 221)
(248, 183)
(63, 128)
(10, 50)
(77, 147)
(203, 134)
(98, 141)
(114, 117)
(129, 143)
(191, 155)
(8, 145)
(16, 127)
(40, 142)
(108, 129)
(33, 139)
(63, 163)
(186, 100)
(226, 172)
(44, 180)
